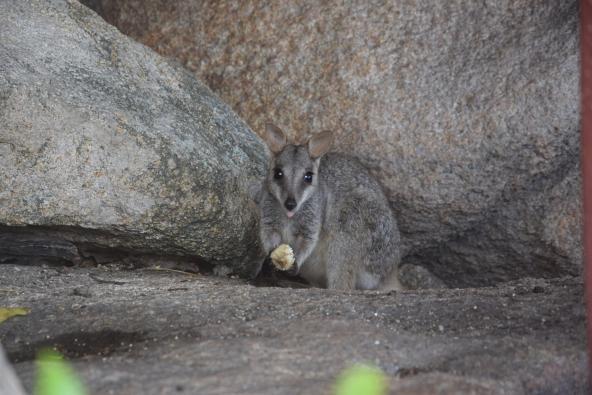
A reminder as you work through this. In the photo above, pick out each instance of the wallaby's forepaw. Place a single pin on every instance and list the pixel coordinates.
(283, 257)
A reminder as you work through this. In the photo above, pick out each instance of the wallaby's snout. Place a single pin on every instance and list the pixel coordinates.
(290, 204)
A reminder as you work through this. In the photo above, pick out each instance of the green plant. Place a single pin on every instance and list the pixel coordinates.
(55, 376)
(361, 380)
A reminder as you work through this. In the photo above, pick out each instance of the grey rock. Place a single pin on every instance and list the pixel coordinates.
(562, 221)
(154, 332)
(9, 383)
(545, 224)
(465, 111)
(418, 277)
(104, 143)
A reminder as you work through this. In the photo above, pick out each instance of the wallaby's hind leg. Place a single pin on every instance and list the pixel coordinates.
(341, 263)
(341, 277)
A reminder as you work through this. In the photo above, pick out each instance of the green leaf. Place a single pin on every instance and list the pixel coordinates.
(361, 380)
(55, 376)
(8, 312)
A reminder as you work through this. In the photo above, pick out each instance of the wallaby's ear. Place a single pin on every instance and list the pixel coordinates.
(320, 143)
(275, 138)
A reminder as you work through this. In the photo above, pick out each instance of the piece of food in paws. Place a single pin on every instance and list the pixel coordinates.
(283, 257)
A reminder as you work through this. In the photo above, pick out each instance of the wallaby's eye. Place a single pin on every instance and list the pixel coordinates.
(308, 177)
(278, 174)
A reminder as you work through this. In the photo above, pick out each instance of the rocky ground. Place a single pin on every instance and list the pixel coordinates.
(163, 332)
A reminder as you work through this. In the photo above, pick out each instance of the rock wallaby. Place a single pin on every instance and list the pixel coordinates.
(331, 212)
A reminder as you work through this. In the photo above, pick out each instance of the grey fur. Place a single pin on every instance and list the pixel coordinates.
(343, 232)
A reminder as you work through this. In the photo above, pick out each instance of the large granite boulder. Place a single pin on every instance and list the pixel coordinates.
(466, 111)
(106, 145)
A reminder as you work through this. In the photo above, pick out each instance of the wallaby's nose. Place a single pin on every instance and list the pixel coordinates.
(290, 204)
